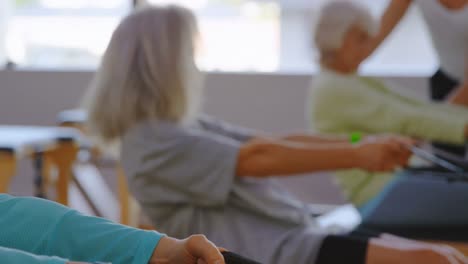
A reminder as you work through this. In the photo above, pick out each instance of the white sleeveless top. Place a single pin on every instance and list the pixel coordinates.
(449, 30)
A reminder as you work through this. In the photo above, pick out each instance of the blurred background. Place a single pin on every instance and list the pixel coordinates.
(257, 55)
(239, 35)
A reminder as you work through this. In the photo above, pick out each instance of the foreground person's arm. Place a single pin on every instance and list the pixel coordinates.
(46, 228)
(14, 256)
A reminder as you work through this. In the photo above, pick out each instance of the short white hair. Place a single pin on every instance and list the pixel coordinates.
(148, 72)
(336, 18)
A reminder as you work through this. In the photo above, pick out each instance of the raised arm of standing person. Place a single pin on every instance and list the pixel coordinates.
(393, 14)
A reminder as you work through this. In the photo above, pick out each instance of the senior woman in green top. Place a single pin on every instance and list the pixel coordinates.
(343, 102)
(447, 22)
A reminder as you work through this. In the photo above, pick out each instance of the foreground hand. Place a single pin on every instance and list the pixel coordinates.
(193, 250)
(391, 249)
(385, 153)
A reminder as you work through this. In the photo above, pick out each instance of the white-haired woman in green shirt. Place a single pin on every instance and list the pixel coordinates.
(342, 102)
(447, 21)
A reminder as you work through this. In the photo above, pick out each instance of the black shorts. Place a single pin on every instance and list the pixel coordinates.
(441, 85)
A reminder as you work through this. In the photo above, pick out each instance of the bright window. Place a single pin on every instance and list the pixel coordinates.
(239, 35)
(61, 33)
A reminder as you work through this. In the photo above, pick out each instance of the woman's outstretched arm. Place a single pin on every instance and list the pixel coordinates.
(264, 157)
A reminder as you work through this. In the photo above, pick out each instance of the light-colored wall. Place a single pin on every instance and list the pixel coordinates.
(269, 102)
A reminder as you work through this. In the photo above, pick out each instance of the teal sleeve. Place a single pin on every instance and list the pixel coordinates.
(14, 256)
(46, 228)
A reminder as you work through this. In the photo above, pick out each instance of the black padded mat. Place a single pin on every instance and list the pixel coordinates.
(233, 258)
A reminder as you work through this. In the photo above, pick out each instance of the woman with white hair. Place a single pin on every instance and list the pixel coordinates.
(342, 102)
(196, 174)
(447, 21)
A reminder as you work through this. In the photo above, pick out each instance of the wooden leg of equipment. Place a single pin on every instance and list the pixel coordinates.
(129, 209)
(63, 158)
(123, 197)
(46, 173)
(7, 171)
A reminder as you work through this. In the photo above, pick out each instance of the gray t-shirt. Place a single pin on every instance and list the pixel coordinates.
(184, 178)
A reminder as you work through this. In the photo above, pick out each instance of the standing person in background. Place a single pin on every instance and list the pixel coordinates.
(448, 25)
(193, 173)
